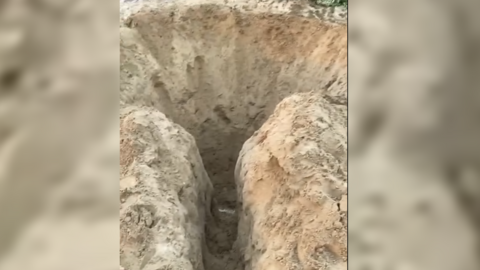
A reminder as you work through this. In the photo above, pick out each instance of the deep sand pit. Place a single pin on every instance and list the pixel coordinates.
(219, 70)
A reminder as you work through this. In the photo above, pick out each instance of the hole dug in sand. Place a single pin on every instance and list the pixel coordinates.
(219, 73)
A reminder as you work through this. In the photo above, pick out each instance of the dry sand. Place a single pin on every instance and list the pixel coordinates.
(219, 68)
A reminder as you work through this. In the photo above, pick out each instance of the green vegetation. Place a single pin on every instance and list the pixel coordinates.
(331, 3)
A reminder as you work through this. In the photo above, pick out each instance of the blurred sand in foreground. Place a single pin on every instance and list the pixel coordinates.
(59, 136)
(413, 101)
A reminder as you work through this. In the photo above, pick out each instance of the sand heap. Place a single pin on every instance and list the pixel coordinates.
(292, 187)
(165, 194)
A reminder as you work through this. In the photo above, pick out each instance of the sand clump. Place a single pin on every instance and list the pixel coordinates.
(292, 185)
(164, 193)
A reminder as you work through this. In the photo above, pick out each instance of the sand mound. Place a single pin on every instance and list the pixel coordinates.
(165, 194)
(292, 184)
